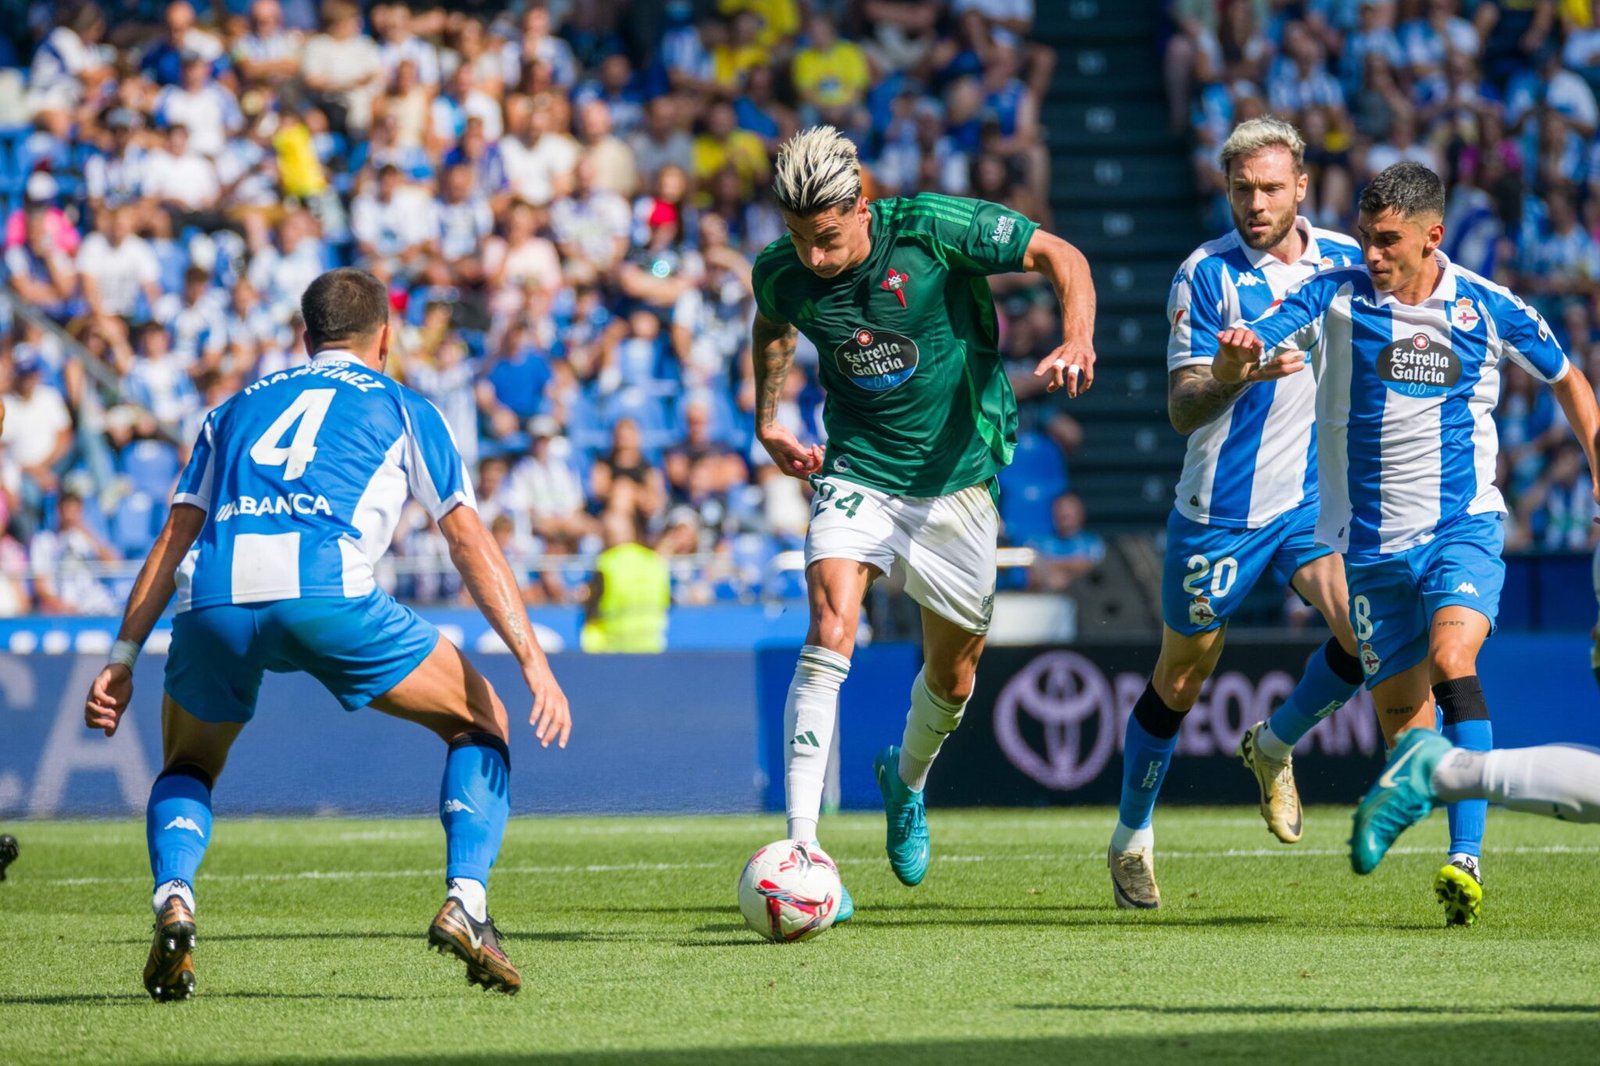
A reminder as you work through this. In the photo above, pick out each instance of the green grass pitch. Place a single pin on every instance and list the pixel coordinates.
(312, 948)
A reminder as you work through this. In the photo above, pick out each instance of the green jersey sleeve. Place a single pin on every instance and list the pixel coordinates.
(765, 278)
(976, 236)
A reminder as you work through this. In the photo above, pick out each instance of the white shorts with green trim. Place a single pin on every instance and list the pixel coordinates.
(944, 545)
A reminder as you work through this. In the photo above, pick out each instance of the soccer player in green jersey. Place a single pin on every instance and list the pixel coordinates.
(920, 418)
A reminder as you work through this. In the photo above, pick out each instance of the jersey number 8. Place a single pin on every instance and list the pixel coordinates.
(309, 408)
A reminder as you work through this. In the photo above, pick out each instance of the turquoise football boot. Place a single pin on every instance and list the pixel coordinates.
(847, 906)
(1402, 796)
(907, 841)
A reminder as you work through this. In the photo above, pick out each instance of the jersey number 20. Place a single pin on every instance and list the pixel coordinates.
(309, 409)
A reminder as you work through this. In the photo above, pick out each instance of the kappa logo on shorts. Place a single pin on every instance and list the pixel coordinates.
(1200, 611)
(1369, 659)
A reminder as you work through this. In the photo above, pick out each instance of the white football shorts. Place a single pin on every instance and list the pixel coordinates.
(945, 545)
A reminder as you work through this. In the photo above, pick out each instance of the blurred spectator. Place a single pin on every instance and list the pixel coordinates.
(546, 481)
(612, 159)
(163, 62)
(39, 198)
(830, 76)
(67, 68)
(343, 69)
(1557, 513)
(626, 609)
(662, 142)
(724, 144)
(1069, 553)
(62, 582)
(40, 270)
(538, 156)
(38, 435)
(590, 226)
(625, 479)
(200, 105)
(116, 267)
(268, 54)
(182, 180)
(536, 44)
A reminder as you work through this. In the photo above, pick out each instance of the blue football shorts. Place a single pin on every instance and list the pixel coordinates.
(358, 648)
(1209, 570)
(1393, 598)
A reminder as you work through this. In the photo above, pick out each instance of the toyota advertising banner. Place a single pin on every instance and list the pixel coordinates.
(1045, 727)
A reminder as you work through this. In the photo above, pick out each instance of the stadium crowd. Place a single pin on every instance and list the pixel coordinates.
(564, 199)
(1498, 97)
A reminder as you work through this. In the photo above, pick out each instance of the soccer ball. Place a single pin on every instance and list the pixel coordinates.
(789, 891)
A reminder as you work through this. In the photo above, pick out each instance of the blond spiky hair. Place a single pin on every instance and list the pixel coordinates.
(1253, 135)
(816, 169)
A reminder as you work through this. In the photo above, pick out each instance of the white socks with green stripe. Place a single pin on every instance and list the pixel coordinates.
(928, 722)
(809, 716)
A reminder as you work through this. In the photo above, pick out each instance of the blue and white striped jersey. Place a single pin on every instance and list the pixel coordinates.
(303, 474)
(1406, 398)
(1257, 459)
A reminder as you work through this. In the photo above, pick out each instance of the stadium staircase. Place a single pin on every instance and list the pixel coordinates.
(1123, 193)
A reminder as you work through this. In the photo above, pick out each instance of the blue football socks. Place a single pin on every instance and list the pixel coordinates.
(1465, 717)
(1147, 745)
(474, 802)
(177, 823)
(1331, 677)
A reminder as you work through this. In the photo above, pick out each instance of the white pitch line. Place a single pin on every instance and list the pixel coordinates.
(655, 867)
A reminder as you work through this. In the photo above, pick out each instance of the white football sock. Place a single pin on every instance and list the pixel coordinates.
(1558, 780)
(167, 889)
(809, 716)
(1273, 746)
(1125, 839)
(474, 896)
(928, 722)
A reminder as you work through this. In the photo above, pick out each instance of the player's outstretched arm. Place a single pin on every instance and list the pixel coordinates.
(1071, 364)
(1576, 397)
(1240, 359)
(772, 345)
(152, 590)
(488, 577)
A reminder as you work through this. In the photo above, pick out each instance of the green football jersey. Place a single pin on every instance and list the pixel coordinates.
(918, 403)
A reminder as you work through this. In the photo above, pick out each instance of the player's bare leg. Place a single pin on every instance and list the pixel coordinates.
(1331, 676)
(178, 829)
(939, 697)
(1151, 735)
(447, 695)
(834, 590)
(1455, 636)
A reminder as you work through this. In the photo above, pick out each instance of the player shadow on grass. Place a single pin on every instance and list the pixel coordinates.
(123, 999)
(1300, 1007)
(510, 935)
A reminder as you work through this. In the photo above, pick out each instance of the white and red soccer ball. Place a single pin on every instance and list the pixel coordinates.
(790, 891)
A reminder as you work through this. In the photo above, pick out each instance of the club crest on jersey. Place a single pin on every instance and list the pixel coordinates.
(1419, 367)
(896, 283)
(1369, 659)
(1200, 611)
(877, 360)
(1464, 315)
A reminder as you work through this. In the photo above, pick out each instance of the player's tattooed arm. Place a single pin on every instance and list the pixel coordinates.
(772, 346)
(1195, 398)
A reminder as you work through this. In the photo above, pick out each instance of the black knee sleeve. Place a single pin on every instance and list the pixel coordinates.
(1154, 716)
(1345, 667)
(185, 769)
(1461, 700)
(483, 740)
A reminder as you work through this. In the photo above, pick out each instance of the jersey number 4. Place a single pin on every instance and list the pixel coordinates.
(309, 409)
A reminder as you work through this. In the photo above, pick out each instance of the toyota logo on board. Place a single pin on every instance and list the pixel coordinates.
(1056, 720)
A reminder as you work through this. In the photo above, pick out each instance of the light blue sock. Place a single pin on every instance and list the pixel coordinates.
(1145, 759)
(1468, 817)
(1319, 693)
(474, 802)
(177, 824)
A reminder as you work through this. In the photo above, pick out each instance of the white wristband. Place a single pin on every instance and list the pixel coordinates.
(125, 652)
